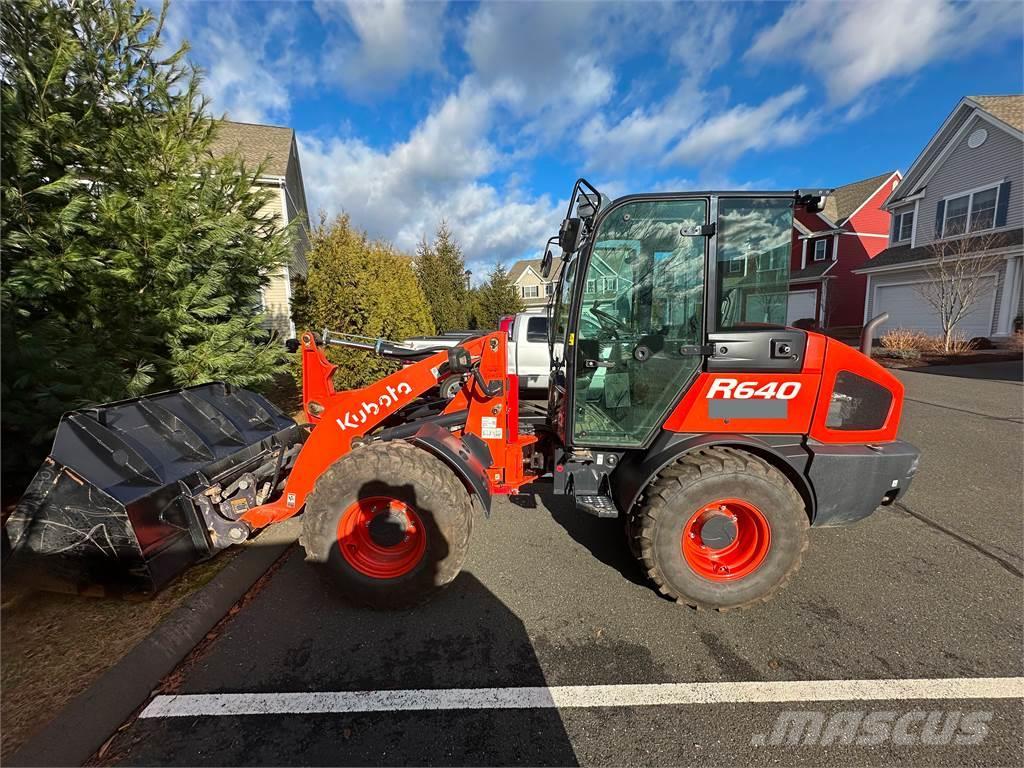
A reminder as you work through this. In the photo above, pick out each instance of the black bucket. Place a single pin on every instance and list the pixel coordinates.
(134, 492)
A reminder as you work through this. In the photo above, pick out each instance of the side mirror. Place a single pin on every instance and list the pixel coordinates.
(545, 264)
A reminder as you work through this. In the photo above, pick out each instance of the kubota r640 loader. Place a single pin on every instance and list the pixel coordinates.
(679, 401)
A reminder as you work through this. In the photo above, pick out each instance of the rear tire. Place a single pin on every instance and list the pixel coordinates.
(750, 498)
(388, 524)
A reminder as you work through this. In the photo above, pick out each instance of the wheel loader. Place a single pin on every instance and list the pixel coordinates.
(679, 402)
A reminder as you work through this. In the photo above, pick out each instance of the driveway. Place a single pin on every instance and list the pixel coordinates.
(929, 593)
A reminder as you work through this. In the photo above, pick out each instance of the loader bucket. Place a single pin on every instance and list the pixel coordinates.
(134, 492)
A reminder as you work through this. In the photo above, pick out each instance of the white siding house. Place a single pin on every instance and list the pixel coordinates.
(275, 148)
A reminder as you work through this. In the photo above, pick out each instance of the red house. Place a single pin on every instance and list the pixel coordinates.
(851, 230)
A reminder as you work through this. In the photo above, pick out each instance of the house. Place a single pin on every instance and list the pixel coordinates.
(534, 290)
(829, 246)
(275, 148)
(965, 185)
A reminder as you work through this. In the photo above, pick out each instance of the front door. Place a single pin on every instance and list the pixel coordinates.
(641, 319)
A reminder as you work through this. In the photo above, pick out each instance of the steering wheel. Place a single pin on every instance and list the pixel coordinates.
(608, 322)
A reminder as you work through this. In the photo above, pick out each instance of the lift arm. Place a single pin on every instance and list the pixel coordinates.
(343, 419)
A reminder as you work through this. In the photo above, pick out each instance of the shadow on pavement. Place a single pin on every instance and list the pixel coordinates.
(605, 538)
(1005, 370)
(298, 636)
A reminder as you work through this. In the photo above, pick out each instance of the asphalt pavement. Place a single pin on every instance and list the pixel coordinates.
(550, 599)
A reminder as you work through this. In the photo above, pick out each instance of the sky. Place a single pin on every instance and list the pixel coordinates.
(484, 114)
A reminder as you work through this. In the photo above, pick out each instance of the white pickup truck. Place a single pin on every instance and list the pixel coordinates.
(528, 354)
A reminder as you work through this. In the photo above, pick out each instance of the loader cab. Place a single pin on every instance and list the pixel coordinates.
(646, 280)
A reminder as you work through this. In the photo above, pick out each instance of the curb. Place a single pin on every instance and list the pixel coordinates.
(87, 721)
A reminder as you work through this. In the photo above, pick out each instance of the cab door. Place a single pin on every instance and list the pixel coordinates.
(640, 322)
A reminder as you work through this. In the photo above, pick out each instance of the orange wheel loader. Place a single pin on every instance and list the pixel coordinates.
(680, 402)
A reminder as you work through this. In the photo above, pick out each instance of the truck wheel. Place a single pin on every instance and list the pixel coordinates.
(720, 528)
(389, 524)
(450, 387)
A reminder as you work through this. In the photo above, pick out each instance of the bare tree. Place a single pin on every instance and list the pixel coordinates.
(957, 275)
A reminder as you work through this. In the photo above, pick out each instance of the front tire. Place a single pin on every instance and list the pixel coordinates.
(388, 524)
(720, 528)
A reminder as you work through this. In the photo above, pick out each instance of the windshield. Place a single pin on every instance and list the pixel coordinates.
(563, 299)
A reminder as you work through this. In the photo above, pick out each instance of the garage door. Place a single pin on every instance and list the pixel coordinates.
(801, 306)
(907, 309)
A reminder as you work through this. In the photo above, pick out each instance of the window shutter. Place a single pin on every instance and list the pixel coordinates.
(1003, 205)
(894, 234)
(939, 210)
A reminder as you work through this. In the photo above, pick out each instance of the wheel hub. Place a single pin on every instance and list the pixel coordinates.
(726, 540)
(381, 537)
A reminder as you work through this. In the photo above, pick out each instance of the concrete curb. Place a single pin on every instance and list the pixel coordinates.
(88, 720)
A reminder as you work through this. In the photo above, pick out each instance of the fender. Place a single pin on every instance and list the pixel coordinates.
(468, 456)
(785, 452)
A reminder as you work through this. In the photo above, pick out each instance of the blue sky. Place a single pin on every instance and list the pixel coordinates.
(484, 114)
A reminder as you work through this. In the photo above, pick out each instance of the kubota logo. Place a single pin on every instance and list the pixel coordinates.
(745, 390)
(355, 420)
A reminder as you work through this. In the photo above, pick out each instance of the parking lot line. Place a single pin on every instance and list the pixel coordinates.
(566, 696)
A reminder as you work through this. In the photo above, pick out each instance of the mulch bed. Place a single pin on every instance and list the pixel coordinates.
(961, 358)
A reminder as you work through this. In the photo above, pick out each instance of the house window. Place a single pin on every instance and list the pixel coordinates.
(956, 216)
(820, 247)
(611, 283)
(549, 288)
(736, 265)
(974, 212)
(591, 286)
(983, 209)
(904, 225)
(530, 291)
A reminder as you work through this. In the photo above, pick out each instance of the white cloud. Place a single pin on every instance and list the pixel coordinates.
(854, 46)
(402, 193)
(371, 46)
(698, 38)
(251, 67)
(541, 63)
(727, 135)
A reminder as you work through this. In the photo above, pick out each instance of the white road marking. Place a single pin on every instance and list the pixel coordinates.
(565, 696)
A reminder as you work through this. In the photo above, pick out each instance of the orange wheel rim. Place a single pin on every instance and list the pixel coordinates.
(381, 537)
(726, 540)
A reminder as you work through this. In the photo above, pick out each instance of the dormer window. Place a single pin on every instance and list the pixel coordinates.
(820, 247)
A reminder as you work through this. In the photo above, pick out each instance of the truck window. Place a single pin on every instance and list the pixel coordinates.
(537, 330)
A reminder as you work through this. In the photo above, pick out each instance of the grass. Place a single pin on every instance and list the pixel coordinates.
(56, 645)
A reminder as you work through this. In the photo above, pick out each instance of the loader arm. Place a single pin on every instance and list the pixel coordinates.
(344, 419)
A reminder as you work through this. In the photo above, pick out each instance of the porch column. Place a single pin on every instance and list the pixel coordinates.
(1011, 296)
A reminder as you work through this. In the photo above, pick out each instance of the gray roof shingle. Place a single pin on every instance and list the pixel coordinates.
(904, 254)
(256, 143)
(1009, 108)
(849, 197)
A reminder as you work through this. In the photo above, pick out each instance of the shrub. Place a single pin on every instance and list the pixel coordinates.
(903, 343)
(361, 287)
(935, 345)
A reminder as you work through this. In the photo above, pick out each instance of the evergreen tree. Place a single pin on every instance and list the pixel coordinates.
(440, 270)
(132, 259)
(360, 287)
(498, 297)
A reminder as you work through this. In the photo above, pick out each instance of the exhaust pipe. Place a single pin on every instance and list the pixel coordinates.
(868, 334)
